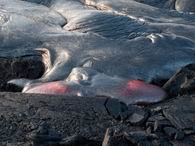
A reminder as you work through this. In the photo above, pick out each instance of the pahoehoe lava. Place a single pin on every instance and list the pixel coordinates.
(99, 47)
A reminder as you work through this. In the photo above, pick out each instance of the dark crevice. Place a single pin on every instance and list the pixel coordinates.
(19, 68)
(159, 82)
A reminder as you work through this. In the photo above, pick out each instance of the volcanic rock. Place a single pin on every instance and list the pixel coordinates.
(170, 131)
(117, 109)
(138, 116)
(179, 135)
(182, 82)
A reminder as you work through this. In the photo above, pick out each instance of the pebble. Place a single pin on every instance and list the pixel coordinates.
(170, 131)
(113, 139)
(160, 124)
(74, 140)
(138, 117)
(145, 143)
(164, 142)
(179, 135)
(116, 109)
(44, 134)
(136, 137)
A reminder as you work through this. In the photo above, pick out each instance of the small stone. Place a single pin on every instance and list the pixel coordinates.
(184, 142)
(152, 119)
(132, 108)
(157, 109)
(189, 131)
(179, 135)
(156, 126)
(149, 124)
(32, 126)
(38, 138)
(145, 143)
(160, 124)
(193, 127)
(107, 137)
(158, 117)
(149, 130)
(170, 131)
(43, 128)
(164, 142)
(74, 140)
(116, 109)
(124, 115)
(113, 139)
(140, 137)
(136, 137)
(138, 117)
(44, 134)
(13, 126)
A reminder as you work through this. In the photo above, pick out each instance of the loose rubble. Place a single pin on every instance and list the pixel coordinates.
(99, 44)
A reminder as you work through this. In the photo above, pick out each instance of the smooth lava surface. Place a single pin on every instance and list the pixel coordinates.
(100, 47)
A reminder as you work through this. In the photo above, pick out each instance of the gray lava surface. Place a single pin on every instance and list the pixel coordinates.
(93, 46)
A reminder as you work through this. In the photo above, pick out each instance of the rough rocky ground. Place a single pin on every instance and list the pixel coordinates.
(68, 25)
(57, 120)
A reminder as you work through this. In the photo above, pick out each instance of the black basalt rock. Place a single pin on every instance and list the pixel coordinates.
(182, 82)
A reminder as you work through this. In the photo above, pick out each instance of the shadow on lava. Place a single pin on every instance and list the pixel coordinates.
(24, 67)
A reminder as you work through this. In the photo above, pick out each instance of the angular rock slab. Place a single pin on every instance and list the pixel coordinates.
(180, 112)
(182, 82)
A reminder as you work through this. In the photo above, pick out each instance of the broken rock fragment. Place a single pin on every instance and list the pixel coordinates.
(182, 82)
(138, 115)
